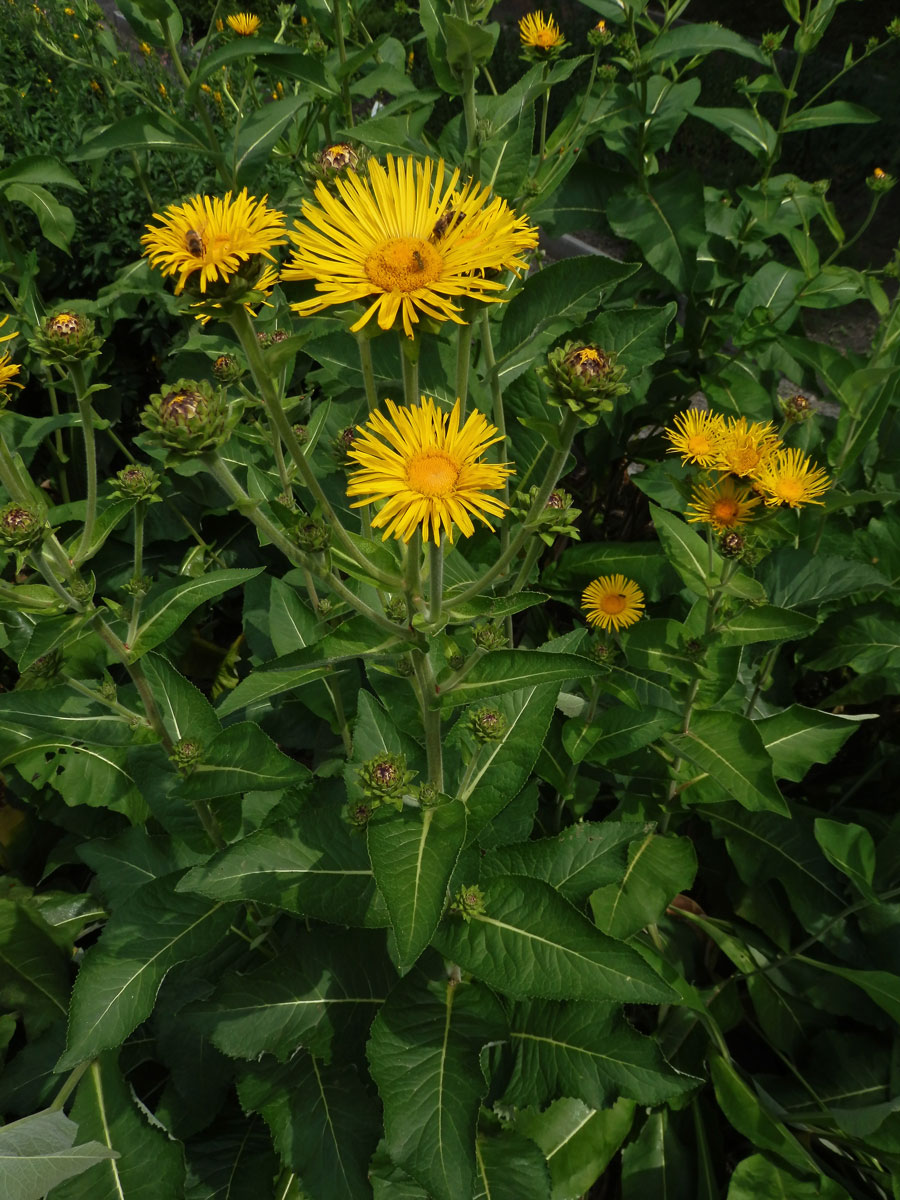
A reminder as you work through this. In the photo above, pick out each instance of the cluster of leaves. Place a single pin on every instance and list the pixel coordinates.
(647, 934)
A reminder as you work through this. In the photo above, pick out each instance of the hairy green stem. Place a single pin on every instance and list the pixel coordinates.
(368, 370)
(86, 415)
(342, 54)
(431, 718)
(436, 579)
(137, 599)
(72, 1081)
(463, 359)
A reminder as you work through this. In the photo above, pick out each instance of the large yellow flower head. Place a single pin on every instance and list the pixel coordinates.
(744, 449)
(403, 238)
(724, 506)
(540, 33)
(212, 236)
(8, 370)
(427, 470)
(790, 478)
(613, 602)
(244, 24)
(696, 437)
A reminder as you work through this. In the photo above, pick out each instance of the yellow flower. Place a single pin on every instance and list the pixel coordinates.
(878, 172)
(162, 91)
(8, 371)
(726, 505)
(146, 49)
(696, 436)
(389, 236)
(744, 449)
(7, 337)
(70, 12)
(262, 288)
(204, 87)
(540, 32)
(95, 86)
(220, 24)
(245, 24)
(212, 236)
(613, 602)
(789, 477)
(426, 468)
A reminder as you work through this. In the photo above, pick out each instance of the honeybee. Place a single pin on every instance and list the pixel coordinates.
(194, 243)
(418, 260)
(443, 223)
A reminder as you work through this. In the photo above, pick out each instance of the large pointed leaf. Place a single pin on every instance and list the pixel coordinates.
(242, 759)
(150, 1164)
(508, 670)
(798, 737)
(656, 1164)
(65, 713)
(423, 1056)
(165, 610)
(616, 732)
(578, 1142)
(37, 1153)
(529, 941)
(34, 974)
(228, 1162)
(117, 985)
(260, 129)
(185, 711)
(413, 854)
(589, 1051)
(729, 748)
(510, 1167)
(658, 869)
(324, 1124)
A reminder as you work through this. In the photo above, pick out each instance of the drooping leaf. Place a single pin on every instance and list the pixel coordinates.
(798, 737)
(578, 1142)
(38, 1152)
(185, 711)
(850, 848)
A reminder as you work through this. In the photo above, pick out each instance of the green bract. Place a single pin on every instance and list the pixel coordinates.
(189, 416)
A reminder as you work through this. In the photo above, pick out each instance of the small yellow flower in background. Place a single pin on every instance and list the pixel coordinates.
(95, 86)
(427, 470)
(146, 49)
(789, 477)
(76, 36)
(220, 24)
(725, 505)
(303, 21)
(745, 449)
(213, 236)
(387, 235)
(245, 24)
(217, 96)
(204, 87)
(613, 602)
(163, 92)
(696, 437)
(70, 12)
(540, 33)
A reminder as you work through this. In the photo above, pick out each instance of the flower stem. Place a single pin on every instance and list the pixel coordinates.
(137, 600)
(342, 54)
(72, 1081)
(431, 719)
(436, 579)
(409, 363)
(463, 357)
(542, 153)
(368, 370)
(85, 412)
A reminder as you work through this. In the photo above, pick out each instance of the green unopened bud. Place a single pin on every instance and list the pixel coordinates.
(20, 528)
(186, 753)
(584, 379)
(694, 649)
(358, 814)
(489, 637)
(893, 30)
(607, 72)
(313, 536)
(66, 337)
(600, 35)
(385, 779)
(880, 181)
(301, 433)
(557, 518)
(136, 482)
(488, 724)
(188, 417)
(227, 369)
(601, 652)
(468, 901)
(427, 795)
(324, 607)
(796, 409)
(731, 544)
(396, 610)
(344, 442)
(42, 673)
(771, 41)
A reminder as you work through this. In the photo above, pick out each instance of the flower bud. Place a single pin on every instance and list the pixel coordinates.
(343, 443)
(601, 652)
(337, 158)
(324, 607)
(301, 433)
(557, 518)
(66, 337)
(136, 482)
(384, 779)
(488, 724)
(396, 610)
(313, 535)
(600, 35)
(771, 41)
(188, 417)
(427, 795)
(880, 181)
(358, 814)
(468, 901)
(20, 528)
(227, 369)
(490, 637)
(731, 543)
(186, 753)
(795, 408)
(584, 379)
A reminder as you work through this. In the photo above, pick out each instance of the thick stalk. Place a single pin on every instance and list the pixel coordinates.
(85, 412)
(61, 455)
(198, 106)
(435, 579)
(243, 327)
(137, 599)
(368, 370)
(409, 364)
(287, 493)
(431, 719)
(463, 358)
(71, 1083)
(545, 107)
(532, 554)
(342, 55)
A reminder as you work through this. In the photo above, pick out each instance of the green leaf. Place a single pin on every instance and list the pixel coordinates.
(138, 133)
(656, 1164)
(766, 624)
(641, 561)
(687, 551)
(730, 749)
(466, 41)
(56, 220)
(616, 732)
(39, 168)
(292, 624)
(285, 59)
(228, 1161)
(510, 1168)
(690, 40)
(866, 641)
(264, 684)
(149, 1163)
(60, 711)
(132, 858)
(529, 941)
(121, 974)
(637, 335)
(185, 711)
(423, 1055)
(549, 304)
(837, 112)
(167, 609)
(756, 1178)
(796, 578)
(324, 1124)
(494, 607)
(742, 1108)
(746, 127)
(658, 869)
(850, 848)
(504, 671)
(37, 1153)
(34, 973)
(241, 759)
(665, 221)
(317, 869)
(882, 987)
(321, 997)
(578, 1143)
(413, 854)
(259, 130)
(798, 737)
(503, 767)
(576, 862)
(586, 1050)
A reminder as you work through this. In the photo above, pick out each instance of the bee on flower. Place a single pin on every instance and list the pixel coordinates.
(613, 602)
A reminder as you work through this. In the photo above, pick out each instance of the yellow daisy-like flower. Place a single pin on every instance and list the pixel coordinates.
(696, 437)
(6, 337)
(744, 449)
(789, 477)
(261, 290)
(213, 236)
(8, 372)
(726, 505)
(540, 32)
(427, 470)
(613, 602)
(245, 24)
(387, 236)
